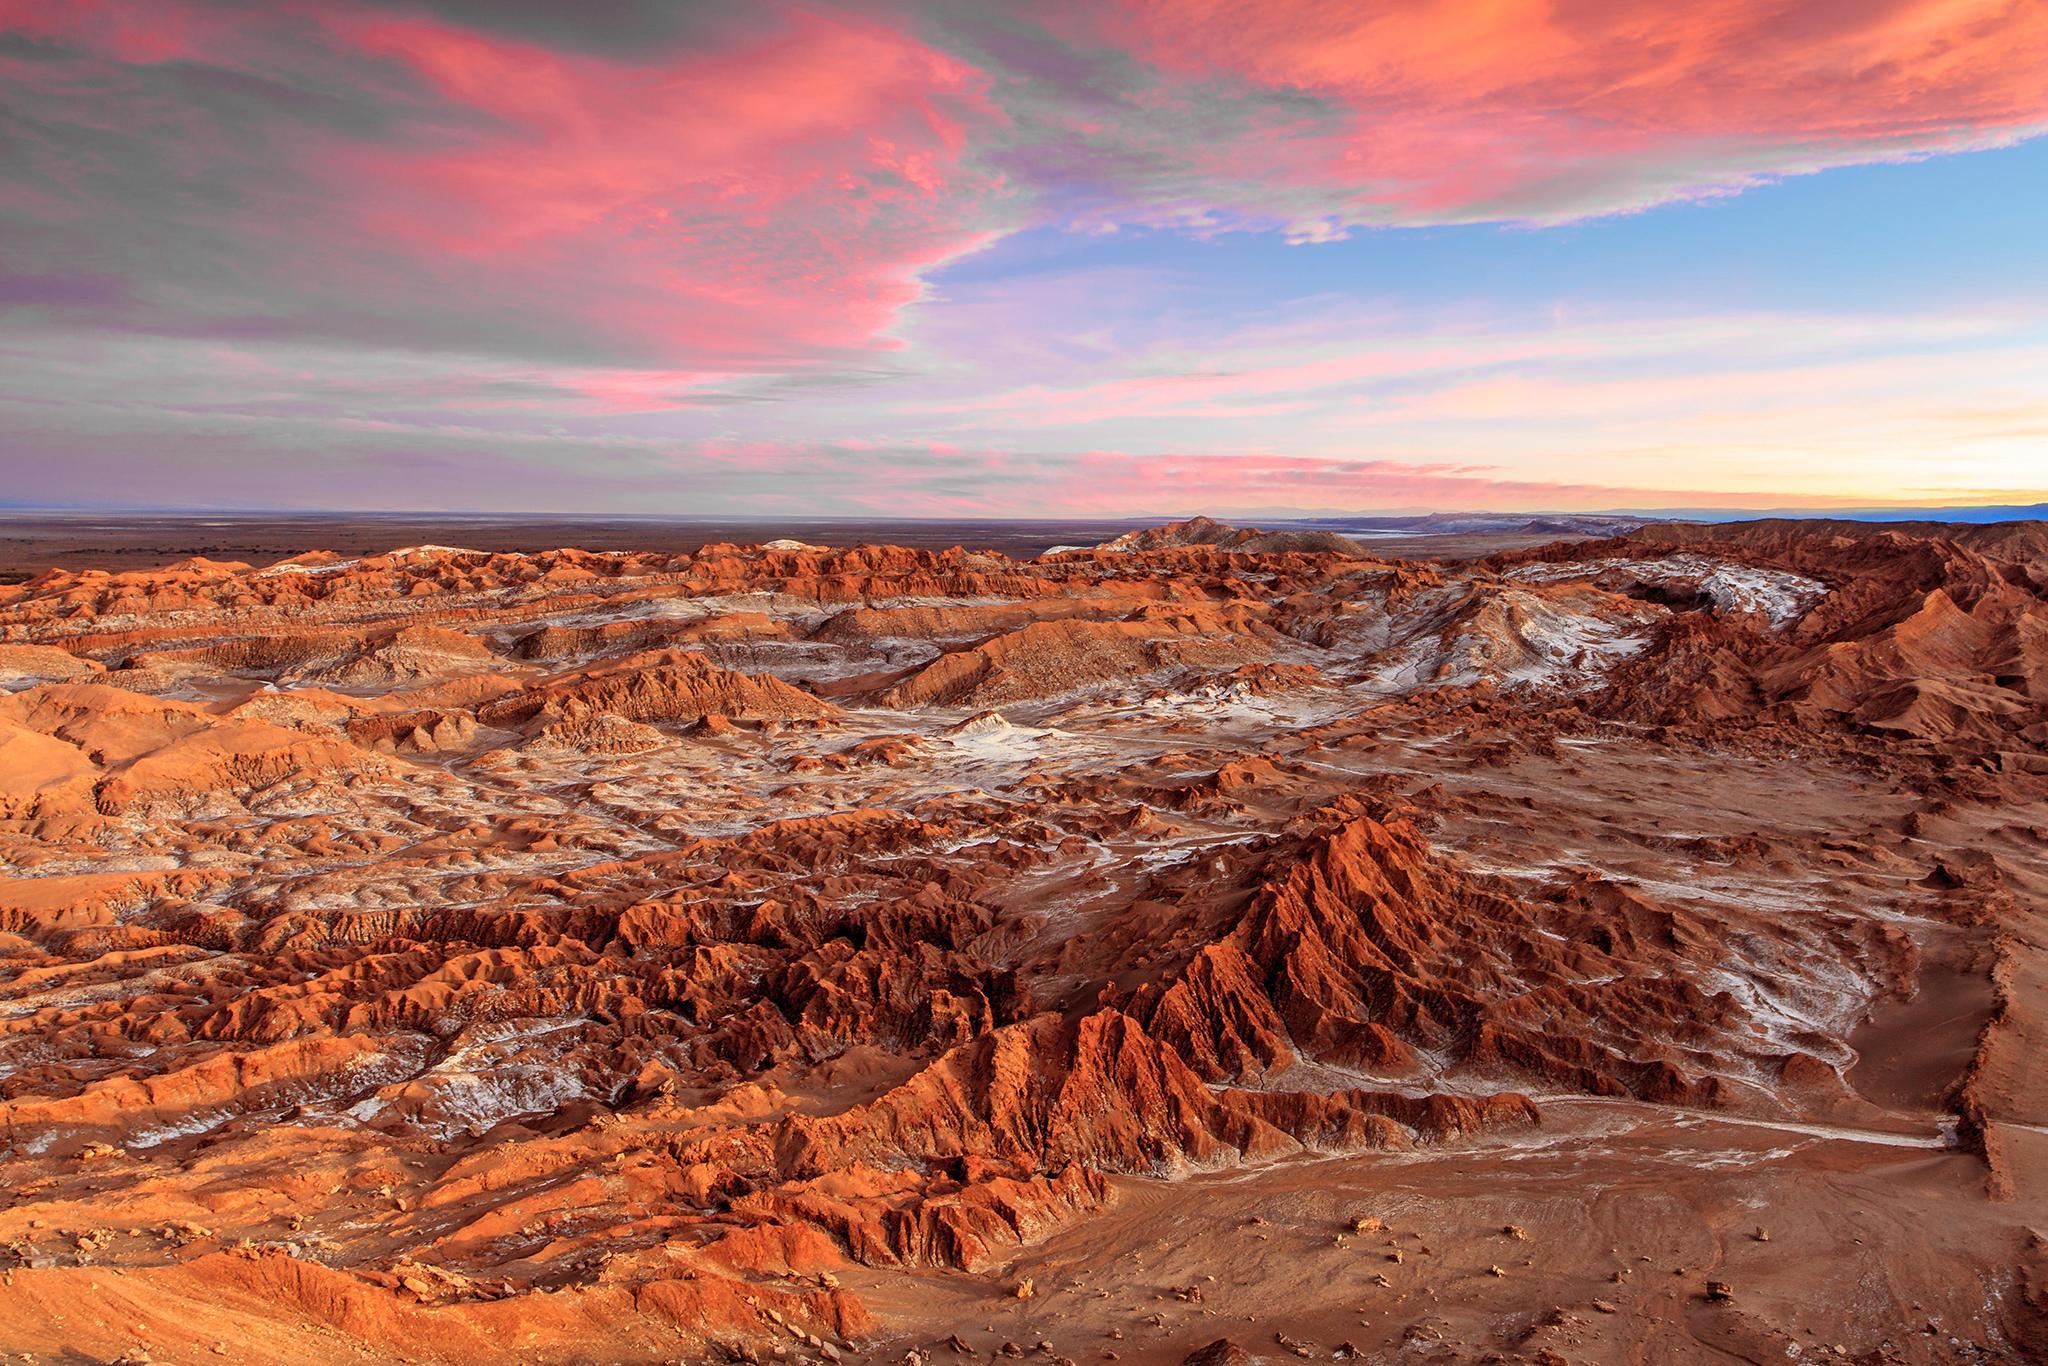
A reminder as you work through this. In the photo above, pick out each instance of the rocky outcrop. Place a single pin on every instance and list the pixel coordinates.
(1051, 658)
(1205, 531)
(473, 911)
(665, 686)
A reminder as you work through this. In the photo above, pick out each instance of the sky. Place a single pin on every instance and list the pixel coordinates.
(931, 258)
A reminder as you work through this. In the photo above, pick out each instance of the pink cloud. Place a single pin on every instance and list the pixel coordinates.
(760, 203)
(781, 196)
(773, 193)
(520, 233)
(1456, 110)
(938, 480)
(1109, 483)
(126, 32)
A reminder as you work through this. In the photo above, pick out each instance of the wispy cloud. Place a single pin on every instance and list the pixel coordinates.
(1441, 111)
(1550, 412)
(361, 173)
(643, 231)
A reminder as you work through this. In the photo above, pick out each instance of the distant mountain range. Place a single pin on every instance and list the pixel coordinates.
(1409, 521)
(1618, 521)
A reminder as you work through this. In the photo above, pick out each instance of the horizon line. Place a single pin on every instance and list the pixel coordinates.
(2030, 511)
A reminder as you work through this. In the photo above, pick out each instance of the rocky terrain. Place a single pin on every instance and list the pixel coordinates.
(1212, 945)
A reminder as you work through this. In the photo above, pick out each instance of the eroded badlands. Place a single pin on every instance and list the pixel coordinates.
(1626, 950)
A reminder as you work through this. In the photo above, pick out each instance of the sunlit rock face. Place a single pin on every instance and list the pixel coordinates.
(790, 949)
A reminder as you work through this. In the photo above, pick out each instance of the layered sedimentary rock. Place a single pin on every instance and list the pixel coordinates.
(488, 944)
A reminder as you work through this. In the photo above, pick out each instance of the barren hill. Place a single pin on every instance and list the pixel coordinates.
(1624, 949)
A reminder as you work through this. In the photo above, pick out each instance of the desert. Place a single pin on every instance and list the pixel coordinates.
(1073, 682)
(1201, 945)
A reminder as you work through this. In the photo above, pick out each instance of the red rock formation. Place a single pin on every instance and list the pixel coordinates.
(668, 685)
(1049, 658)
(554, 972)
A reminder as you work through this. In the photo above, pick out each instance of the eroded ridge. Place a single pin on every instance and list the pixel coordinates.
(499, 950)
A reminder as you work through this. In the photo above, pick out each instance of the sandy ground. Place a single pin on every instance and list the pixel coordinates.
(580, 958)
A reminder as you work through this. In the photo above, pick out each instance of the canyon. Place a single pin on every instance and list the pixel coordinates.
(1206, 945)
